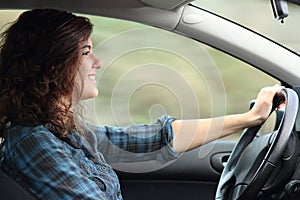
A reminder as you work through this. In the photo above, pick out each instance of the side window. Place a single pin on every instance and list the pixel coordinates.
(242, 83)
(150, 72)
(8, 16)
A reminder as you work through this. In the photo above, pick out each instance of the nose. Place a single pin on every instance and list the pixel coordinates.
(97, 64)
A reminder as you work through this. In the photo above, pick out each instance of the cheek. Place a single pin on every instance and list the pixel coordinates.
(77, 88)
(82, 72)
(78, 83)
(79, 78)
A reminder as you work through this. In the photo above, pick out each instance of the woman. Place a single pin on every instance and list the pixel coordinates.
(47, 67)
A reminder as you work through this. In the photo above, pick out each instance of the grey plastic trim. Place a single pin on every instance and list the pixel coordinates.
(133, 10)
(165, 4)
(242, 43)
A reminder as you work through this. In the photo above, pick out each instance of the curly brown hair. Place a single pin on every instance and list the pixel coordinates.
(39, 59)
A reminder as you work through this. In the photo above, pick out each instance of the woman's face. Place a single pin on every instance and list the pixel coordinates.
(85, 79)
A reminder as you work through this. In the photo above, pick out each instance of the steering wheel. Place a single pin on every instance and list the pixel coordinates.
(253, 159)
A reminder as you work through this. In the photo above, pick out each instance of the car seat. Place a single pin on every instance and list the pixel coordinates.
(11, 190)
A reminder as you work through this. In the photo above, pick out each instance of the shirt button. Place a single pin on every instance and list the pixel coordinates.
(89, 170)
(103, 168)
(118, 193)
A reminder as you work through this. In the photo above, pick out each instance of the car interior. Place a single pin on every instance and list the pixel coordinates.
(262, 162)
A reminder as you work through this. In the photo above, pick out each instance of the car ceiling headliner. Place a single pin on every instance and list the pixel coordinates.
(160, 13)
(93, 5)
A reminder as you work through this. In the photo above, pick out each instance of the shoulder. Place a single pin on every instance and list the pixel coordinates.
(24, 137)
(20, 132)
(29, 146)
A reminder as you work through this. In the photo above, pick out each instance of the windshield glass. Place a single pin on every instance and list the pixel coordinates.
(258, 16)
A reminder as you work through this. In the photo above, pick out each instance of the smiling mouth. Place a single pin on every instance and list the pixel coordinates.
(92, 77)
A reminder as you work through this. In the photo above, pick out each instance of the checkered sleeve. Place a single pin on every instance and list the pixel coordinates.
(140, 142)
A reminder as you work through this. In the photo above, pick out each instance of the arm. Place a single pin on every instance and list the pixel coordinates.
(136, 143)
(189, 134)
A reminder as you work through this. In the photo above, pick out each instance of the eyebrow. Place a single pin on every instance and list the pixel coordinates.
(86, 46)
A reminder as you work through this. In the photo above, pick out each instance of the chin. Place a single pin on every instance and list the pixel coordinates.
(93, 94)
(89, 95)
(96, 92)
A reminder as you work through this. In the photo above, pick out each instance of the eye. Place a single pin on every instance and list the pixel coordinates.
(85, 53)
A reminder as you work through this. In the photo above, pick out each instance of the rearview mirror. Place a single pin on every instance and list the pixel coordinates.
(280, 9)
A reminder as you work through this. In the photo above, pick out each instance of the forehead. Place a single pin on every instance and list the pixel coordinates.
(86, 44)
(90, 42)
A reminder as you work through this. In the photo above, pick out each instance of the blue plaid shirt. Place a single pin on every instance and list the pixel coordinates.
(76, 167)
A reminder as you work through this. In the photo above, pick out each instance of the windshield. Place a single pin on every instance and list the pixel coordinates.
(258, 16)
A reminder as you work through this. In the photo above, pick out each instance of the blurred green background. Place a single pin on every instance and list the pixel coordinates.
(235, 82)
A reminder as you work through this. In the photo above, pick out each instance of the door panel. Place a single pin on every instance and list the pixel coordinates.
(193, 176)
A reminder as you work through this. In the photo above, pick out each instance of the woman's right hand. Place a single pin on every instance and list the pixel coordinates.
(264, 102)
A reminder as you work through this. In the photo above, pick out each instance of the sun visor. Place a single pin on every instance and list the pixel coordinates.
(165, 4)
